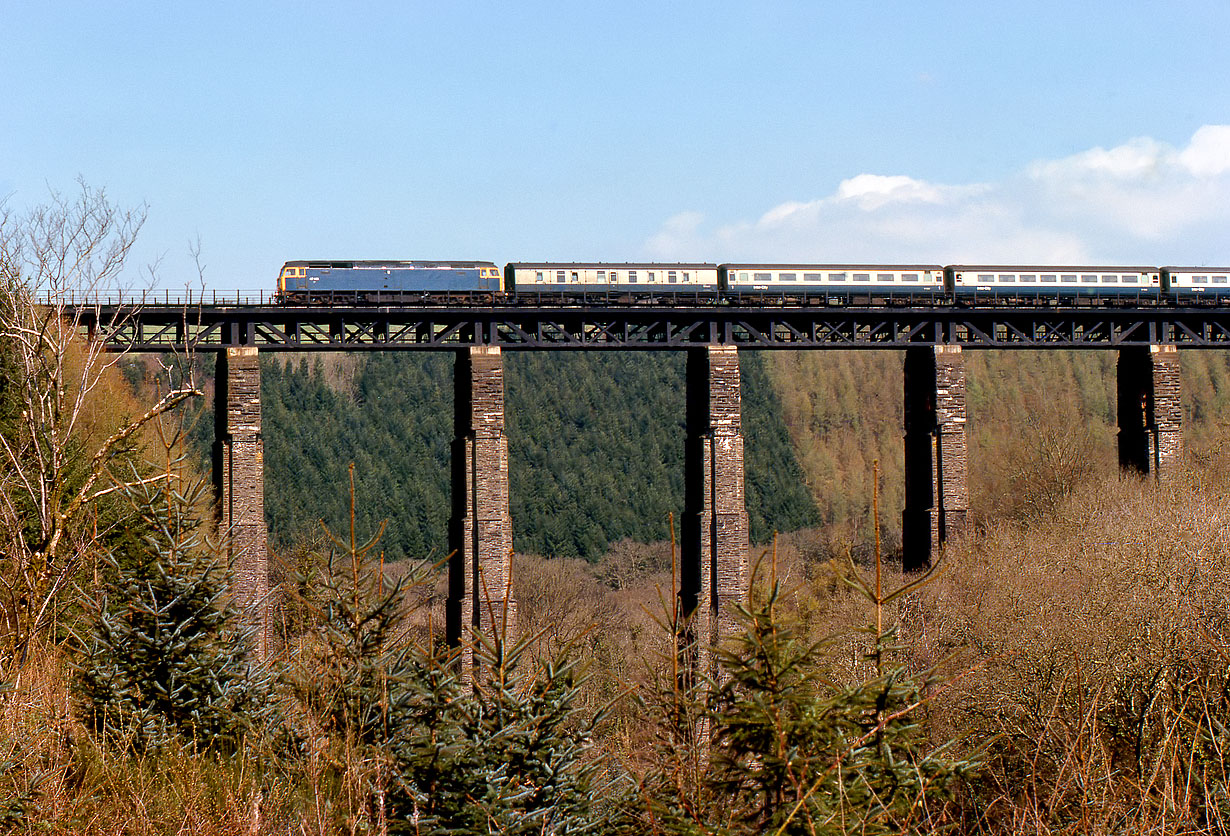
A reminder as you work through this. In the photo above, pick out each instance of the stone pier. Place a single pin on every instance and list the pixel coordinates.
(1150, 410)
(239, 480)
(714, 570)
(936, 468)
(480, 529)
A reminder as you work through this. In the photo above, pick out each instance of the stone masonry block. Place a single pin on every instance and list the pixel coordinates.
(936, 451)
(714, 525)
(480, 529)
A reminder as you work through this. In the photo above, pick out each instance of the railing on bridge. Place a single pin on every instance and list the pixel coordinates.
(158, 298)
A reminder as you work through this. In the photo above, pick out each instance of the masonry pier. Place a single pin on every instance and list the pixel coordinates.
(714, 525)
(1150, 410)
(480, 529)
(936, 459)
(239, 480)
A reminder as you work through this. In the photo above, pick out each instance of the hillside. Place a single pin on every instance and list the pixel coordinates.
(595, 444)
(1039, 423)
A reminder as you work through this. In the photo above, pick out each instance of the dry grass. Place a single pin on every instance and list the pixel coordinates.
(1087, 652)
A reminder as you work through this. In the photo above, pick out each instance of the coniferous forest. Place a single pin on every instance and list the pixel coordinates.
(595, 441)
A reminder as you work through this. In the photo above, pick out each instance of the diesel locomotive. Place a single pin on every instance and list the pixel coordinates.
(483, 283)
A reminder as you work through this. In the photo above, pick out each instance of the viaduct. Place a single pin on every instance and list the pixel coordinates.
(714, 524)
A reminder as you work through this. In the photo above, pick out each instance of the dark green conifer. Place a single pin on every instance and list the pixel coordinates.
(167, 657)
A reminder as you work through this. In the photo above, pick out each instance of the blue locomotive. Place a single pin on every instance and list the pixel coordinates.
(388, 282)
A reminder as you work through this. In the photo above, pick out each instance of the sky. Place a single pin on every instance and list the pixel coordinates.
(932, 132)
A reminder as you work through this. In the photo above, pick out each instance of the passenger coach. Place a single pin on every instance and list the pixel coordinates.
(1002, 283)
(838, 282)
(1194, 284)
(614, 282)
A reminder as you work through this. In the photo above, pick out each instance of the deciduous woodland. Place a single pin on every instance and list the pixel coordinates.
(1064, 670)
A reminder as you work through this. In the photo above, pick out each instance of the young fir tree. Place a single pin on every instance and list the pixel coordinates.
(167, 657)
(416, 748)
(510, 755)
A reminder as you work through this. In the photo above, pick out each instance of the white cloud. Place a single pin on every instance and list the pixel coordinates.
(1143, 201)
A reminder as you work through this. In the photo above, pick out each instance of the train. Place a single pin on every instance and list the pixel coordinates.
(698, 283)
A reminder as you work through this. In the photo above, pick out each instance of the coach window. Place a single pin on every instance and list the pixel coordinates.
(1068, 277)
(1219, 280)
(1088, 279)
(538, 275)
(631, 277)
(1131, 279)
(649, 276)
(671, 276)
(687, 276)
(602, 275)
(762, 277)
(1048, 277)
(743, 277)
(811, 277)
(884, 277)
(1028, 279)
(862, 277)
(574, 276)
(787, 277)
(909, 277)
(1110, 279)
(1200, 279)
(1007, 277)
(837, 277)
(986, 278)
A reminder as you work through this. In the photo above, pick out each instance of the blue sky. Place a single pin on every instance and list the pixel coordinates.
(939, 131)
